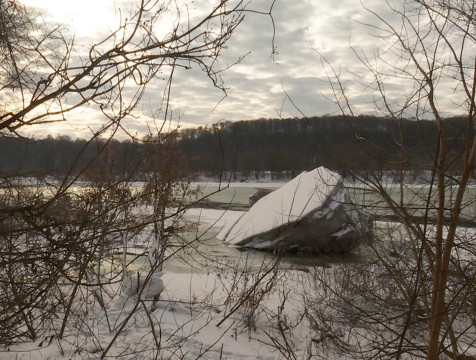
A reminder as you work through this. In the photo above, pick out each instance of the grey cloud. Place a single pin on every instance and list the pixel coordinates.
(255, 84)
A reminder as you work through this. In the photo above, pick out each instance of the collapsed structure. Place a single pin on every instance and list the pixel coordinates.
(311, 213)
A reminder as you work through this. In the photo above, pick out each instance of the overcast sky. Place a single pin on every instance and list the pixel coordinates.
(257, 84)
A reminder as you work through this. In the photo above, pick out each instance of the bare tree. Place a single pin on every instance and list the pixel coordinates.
(55, 241)
(415, 295)
(63, 78)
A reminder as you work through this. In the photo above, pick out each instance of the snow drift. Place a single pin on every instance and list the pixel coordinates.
(313, 212)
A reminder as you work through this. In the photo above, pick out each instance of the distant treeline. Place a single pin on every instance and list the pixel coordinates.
(337, 142)
(251, 147)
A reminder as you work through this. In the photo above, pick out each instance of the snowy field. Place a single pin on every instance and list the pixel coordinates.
(185, 325)
(211, 307)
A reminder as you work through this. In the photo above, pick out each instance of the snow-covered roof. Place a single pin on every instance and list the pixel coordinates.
(291, 202)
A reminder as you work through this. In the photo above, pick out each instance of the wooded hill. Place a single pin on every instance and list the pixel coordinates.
(251, 147)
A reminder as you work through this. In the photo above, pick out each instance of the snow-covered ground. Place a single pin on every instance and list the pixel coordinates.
(183, 324)
(212, 312)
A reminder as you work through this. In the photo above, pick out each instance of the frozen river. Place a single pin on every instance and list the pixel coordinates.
(204, 253)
